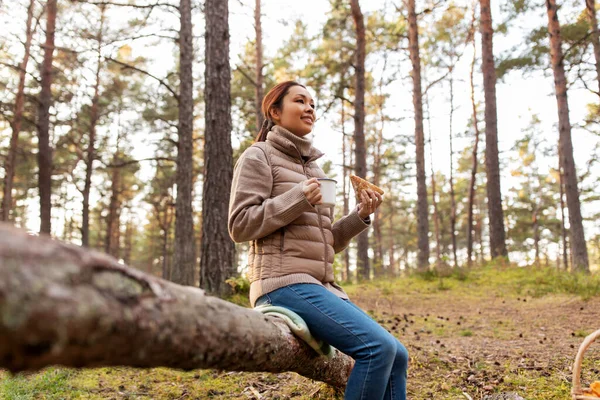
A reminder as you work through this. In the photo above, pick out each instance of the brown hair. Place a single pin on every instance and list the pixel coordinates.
(273, 99)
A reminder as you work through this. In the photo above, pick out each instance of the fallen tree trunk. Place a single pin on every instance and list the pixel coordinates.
(64, 305)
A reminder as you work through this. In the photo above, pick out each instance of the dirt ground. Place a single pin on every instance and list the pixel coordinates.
(464, 345)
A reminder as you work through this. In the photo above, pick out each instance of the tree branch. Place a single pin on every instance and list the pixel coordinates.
(162, 82)
(238, 68)
(115, 3)
(129, 162)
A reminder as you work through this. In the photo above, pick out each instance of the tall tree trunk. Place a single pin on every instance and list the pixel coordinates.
(184, 260)
(133, 319)
(217, 249)
(377, 220)
(578, 246)
(422, 204)
(393, 269)
(496, 214)
(565, 245)
(351, 163)
(259, 65)
(113, 231)
(452, 196)
(128, 245)
(474, 163)
(590, 6)
(536, 232)
(362, 262)
(347, 276)
(91, 149)
(45, 101)
(479, 229)
(9, 165)
(436, 216)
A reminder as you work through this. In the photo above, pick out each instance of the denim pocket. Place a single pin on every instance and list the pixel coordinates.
(262, 300)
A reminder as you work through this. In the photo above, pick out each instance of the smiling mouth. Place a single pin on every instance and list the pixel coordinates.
(307, 120)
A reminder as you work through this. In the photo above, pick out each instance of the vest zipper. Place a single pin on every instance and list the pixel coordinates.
(320, 227)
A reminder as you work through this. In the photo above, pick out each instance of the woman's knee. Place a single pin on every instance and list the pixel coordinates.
(401, 355)
(381, 347)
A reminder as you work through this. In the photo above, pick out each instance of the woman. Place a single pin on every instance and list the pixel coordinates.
(274, 204)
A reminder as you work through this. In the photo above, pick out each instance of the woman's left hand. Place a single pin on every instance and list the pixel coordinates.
(369, 202)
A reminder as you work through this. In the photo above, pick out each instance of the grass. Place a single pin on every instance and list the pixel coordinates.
(49, 384)
(501, 280)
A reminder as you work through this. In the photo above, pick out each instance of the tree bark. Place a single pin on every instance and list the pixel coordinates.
(217, 259)
(474, 163)
(91, 150)
(11, 158)
(422, 204)
(377, 166)
(184, 259)
(113, 221)
(360, 164)
(590, 6)
(436, 217)
(66, 305)
(45, 101)
(128, 245)
(565, 245)
(259, 65)
(496, 214)
(452, 195)
(346, 272)
(579, 253)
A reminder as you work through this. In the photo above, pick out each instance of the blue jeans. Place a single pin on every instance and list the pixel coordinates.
(381, 361)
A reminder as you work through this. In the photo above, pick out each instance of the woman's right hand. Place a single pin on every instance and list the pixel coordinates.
(312, 190)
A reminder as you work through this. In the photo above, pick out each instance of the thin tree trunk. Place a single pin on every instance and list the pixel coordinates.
(91, 149)
(578, 246)
(351, 162)
(128, 245)
(452, 196)
(363, 266)
(184, 260)
(165, 251)
(132, 319)
(422, 204)
(393, 270)
(496, 214)
(9, 166)
(114, 214)
(590, 6)
(565, 245)
(377, 220)
(217, 249)
(347, 277)
(436, 215)
(475, 147)
(536, 233)
(45, 101)
(259, 65)
(479, 229)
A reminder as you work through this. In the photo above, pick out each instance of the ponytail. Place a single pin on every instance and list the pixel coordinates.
(265, 128)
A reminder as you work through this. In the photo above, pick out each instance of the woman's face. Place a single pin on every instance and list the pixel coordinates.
(297, 113)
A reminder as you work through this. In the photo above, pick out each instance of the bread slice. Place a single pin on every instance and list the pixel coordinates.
(360, 184)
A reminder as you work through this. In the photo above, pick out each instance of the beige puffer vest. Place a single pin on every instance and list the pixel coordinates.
(306, 244)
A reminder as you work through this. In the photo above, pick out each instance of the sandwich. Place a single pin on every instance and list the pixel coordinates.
(359, 184)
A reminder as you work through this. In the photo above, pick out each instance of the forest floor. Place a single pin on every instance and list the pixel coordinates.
(469, 334)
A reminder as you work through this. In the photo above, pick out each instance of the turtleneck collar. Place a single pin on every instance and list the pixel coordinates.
(293, 145)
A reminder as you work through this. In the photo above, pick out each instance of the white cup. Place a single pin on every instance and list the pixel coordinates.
(327, 192)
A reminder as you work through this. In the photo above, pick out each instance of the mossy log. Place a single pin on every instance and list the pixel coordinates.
(65, 305)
